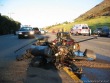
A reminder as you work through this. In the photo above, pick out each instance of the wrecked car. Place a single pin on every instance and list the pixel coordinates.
(62, 51)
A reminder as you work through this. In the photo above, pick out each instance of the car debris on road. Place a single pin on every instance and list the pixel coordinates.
(62, 52)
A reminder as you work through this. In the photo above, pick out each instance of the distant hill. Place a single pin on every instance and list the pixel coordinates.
(102, 9)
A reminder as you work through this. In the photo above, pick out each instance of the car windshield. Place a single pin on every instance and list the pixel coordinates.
(35, 29)
(25, 29)
(84, 27)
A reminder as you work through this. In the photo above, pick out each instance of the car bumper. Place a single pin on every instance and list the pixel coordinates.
(25, 35)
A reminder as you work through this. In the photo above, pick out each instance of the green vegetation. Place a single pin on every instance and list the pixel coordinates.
(92, 23)
(8, 25)
(98, 16)
(96, 22)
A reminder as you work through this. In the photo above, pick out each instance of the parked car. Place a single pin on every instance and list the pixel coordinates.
(36, 30)
(80, 29)
(26, 32)
(97, 31)
(46, 31)
(104, 31)
(42, 31)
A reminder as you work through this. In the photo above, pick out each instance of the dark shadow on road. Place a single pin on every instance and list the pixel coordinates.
(103, 57)
(43, 74)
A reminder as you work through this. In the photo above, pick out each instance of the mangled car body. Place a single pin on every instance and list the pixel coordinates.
(62, 51)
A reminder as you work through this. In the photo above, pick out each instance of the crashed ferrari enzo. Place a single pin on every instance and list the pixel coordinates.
(62, 51)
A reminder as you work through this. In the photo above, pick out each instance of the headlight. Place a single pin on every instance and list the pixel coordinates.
(20, 33)
(31, 32)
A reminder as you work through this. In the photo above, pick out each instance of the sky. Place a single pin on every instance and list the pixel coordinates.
(43, 13)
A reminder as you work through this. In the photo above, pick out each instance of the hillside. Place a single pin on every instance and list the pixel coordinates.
(98, 16)
(102, 9)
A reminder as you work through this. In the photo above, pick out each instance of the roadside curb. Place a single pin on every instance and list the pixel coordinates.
(72, 75)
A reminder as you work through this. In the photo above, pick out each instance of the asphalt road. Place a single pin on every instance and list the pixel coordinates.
(101, 45)
(95, 71)
(12, 71)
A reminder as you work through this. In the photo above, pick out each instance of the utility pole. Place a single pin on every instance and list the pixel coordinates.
(0, 7)
(10, 14)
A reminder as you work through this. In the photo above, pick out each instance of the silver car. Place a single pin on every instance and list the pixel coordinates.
(26, 32)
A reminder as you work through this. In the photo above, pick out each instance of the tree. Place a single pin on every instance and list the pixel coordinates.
(8, 25)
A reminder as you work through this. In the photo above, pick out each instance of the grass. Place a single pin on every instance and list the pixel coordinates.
(92, 23)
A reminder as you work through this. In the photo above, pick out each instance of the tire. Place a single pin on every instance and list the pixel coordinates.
(39, 33)
(99, 35)
(77, 34)
(19, 37)
(31, 36)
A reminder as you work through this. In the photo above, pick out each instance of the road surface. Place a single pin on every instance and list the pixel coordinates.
(12, 71)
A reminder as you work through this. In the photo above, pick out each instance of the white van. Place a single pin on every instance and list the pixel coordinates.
(80, 29)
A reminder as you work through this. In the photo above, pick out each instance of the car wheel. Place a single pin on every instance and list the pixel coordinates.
(76, 34)
(89, 34)
(19, 37)
(99, 35)
(32, 36)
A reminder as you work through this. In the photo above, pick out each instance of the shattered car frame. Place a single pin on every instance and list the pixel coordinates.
(62, 51)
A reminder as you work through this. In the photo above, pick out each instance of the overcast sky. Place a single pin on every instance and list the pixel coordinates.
(42, 13)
